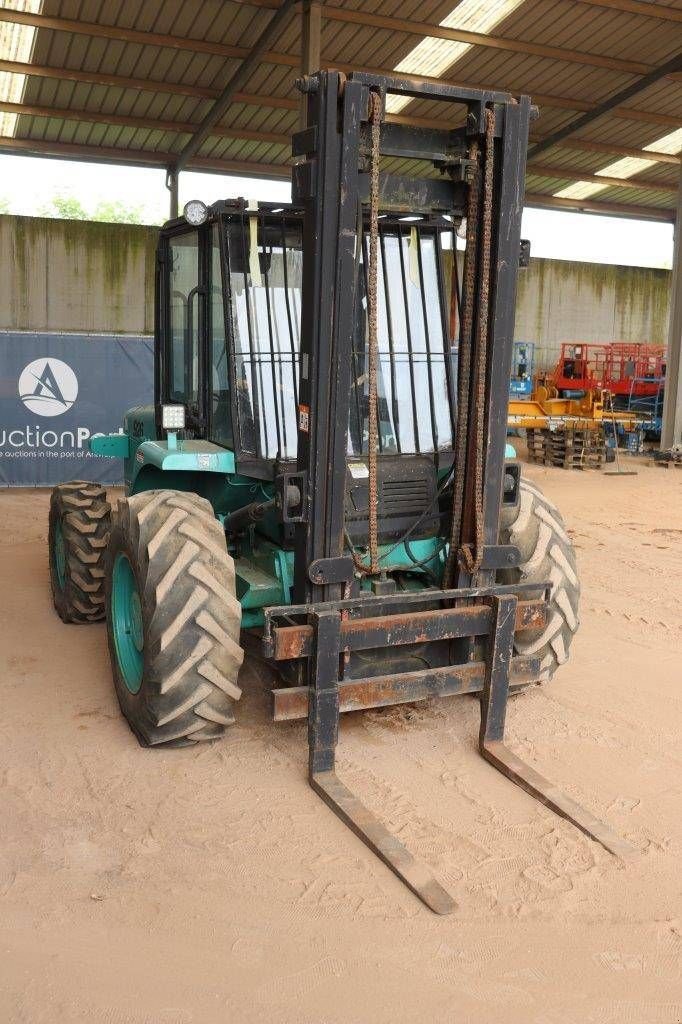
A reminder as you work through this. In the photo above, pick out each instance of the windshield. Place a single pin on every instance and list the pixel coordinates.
(414, 357)
(415, 371)
(265, 262)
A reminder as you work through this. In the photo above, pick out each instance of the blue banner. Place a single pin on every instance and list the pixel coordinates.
(56, 391)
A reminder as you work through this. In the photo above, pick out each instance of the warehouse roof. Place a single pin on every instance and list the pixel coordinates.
(130, 81)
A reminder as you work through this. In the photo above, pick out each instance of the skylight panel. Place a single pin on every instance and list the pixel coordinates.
(627, 167)
(432, 56)
(16, 43)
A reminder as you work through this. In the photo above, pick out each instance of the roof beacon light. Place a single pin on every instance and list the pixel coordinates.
(195, 212)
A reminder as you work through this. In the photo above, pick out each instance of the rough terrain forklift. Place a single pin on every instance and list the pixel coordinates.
(322, 476)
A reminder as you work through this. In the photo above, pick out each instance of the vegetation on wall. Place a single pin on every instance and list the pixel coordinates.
(562, 300)
(77, 275)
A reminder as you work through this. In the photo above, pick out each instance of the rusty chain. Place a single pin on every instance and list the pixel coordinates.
(471, 556)
(464, 362)
(372, 331)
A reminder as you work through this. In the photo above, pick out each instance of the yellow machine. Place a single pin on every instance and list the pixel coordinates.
(545, 411)
(567, 432)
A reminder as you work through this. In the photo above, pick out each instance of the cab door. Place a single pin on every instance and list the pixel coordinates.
(183, 341)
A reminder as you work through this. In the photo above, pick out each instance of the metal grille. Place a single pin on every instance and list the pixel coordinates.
(416, 360)
(265, 264)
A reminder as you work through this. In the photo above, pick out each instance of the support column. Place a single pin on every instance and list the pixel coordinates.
(311, 27)
(172, 186)
(672, 406)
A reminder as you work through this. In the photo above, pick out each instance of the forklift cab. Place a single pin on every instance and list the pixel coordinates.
(228, 342)
(228, 330)
(212, 345)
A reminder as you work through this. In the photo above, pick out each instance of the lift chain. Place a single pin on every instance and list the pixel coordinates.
(471, 558)
(464, 362)
(372, 340)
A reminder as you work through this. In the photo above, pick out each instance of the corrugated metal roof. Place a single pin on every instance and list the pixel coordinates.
(90, 85)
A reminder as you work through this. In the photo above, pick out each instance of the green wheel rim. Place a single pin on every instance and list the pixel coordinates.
(126, 622)
(59, 555)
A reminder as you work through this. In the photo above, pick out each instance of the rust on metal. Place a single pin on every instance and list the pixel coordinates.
(407, 628)
(402, 688)
(530, 615)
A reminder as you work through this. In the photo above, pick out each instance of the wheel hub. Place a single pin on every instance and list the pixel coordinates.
(136, 621)
(127, 623)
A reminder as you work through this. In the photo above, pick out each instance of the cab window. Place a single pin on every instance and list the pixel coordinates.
(184, 319)
(221, 411)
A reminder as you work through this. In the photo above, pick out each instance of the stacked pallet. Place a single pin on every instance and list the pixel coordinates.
(567, 447)
(669, 457)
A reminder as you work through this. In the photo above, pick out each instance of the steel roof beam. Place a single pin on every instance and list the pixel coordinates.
(138, 157)
(155, 158)
(603, 207)
(281, 102)
(573, 174)
(588, 146)
(670, 66)
(143, 123)
(237, 80)
(134, 35)
(284, 138)
(364, 18)
(649, 10)
(341, 14)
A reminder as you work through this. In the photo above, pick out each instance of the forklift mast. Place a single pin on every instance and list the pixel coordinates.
(332, 182)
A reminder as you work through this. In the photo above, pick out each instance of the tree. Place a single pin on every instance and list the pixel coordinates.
(4, 205)
(111, 211)
(115, 212)
(64, 207)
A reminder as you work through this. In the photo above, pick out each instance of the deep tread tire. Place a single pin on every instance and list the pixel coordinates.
(547, 555)
(191, 618)
(84, 514)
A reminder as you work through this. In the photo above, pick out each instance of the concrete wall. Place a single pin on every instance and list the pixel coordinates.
(563, 301)
(76, 276)
(63, 276)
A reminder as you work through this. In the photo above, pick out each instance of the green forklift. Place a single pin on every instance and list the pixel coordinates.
(322, 479)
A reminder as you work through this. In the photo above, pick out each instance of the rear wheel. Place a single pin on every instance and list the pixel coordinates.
(173, 619)
(547, 555)
(79, 525)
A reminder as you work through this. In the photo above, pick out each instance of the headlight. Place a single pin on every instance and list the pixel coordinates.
(173, 417)
(195, 212)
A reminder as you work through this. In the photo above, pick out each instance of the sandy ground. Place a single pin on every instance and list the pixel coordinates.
(212, 885)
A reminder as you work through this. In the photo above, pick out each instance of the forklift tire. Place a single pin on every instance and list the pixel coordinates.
(173, 619)
(78, 534)
(535, 526)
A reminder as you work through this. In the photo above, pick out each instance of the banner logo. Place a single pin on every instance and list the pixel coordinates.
(48, 387)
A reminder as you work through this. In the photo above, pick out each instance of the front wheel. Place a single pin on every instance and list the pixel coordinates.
(78, 533)
(536, 528)
(173, 619)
